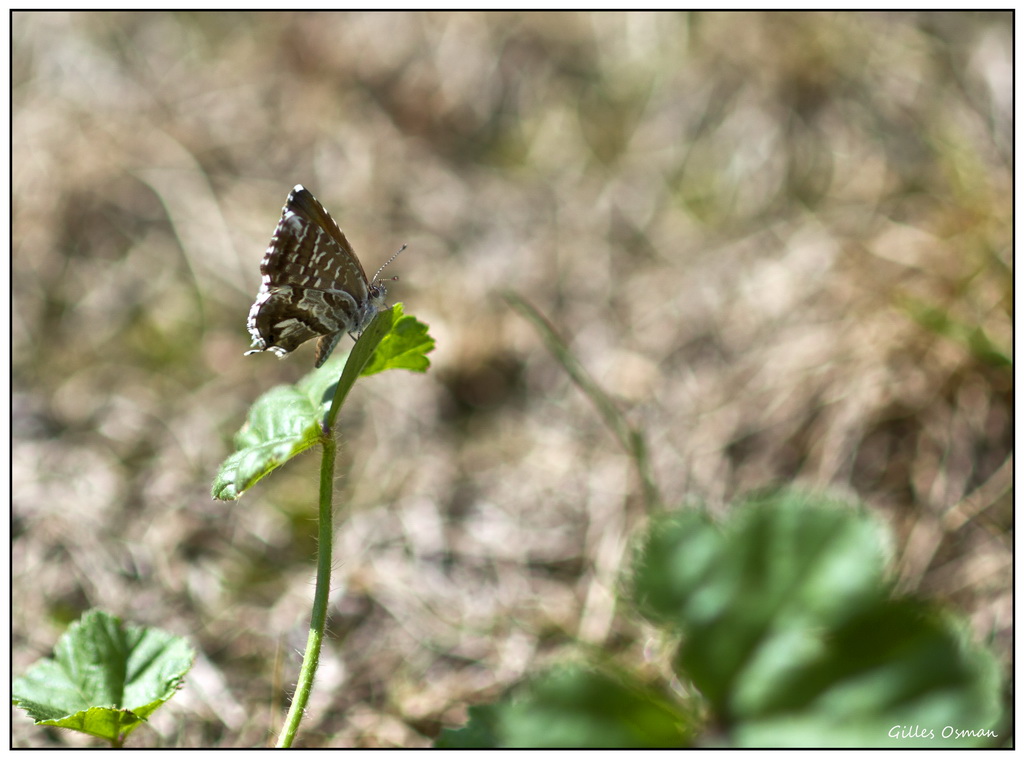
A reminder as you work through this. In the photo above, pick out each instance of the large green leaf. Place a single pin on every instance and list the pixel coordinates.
(782, 570)
(789, 631)
(105, 678)
(898, 674)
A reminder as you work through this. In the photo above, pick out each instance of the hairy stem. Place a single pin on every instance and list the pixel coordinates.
(318, 620)
(357, 360)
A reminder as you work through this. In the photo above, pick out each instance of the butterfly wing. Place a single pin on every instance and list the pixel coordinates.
(313, 283)
(348, 275)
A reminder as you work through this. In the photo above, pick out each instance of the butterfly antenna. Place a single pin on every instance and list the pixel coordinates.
(388, 262)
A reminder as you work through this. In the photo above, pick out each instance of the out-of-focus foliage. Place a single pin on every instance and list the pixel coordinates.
(789, 637)
(780, 241)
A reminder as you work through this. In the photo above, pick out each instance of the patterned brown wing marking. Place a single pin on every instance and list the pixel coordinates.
(301, 202)
(324, 346)
(300, 254)
(330, 253)
(278, 322)
(313, 284)
(292, 315)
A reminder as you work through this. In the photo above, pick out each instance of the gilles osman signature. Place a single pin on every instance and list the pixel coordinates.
(947, 732)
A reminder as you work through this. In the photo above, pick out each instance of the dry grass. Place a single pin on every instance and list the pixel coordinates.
(783, 242)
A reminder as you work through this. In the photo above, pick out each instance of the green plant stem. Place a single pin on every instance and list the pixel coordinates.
(318, 620)
(357, 360)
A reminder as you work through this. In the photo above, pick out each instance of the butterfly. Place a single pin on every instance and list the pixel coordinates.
(313, 284)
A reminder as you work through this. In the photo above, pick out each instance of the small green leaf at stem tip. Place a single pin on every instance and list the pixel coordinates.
(404, 346)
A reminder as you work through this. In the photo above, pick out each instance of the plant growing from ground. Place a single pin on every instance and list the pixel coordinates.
(105, 679)
(288, 420)
(786, 629)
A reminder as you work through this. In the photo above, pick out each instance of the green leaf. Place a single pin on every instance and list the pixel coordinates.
(576, 707)
(390, 342)
(290, 419)
(105, 678)
(781, 569)
(404, 347)
(898, 664)
(789, 633)
(679, 550)
(282, 423)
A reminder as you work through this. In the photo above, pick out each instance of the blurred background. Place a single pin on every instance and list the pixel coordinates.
(782, 242)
